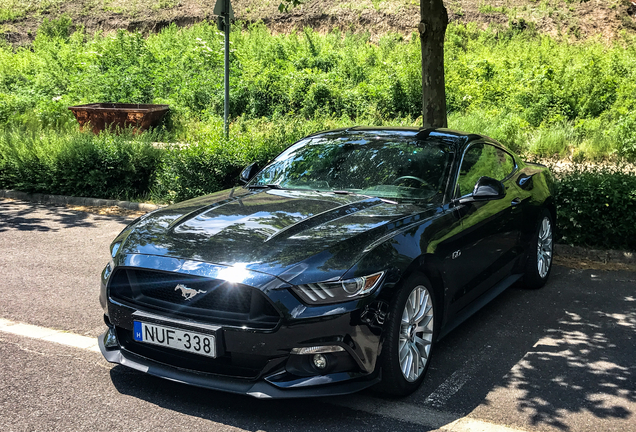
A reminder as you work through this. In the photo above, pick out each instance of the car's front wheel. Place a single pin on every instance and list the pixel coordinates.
(409, 338)
(539, 264)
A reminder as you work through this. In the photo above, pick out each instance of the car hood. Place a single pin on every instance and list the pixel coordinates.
(270, 231)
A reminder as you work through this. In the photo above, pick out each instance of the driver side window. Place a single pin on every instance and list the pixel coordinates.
(483, 160)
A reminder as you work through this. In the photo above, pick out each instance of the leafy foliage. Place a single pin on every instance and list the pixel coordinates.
(597, 207)
(80, 164)
(537, 95)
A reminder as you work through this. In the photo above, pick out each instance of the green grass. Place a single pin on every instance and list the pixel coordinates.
(14, 9)
(535, 94)
(486, 8)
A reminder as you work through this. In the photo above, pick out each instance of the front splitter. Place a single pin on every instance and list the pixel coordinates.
(259, 389)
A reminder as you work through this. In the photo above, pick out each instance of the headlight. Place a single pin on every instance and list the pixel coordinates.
(339, 291)
(115, 249)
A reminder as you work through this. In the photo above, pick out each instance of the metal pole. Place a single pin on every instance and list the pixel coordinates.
(226, 110)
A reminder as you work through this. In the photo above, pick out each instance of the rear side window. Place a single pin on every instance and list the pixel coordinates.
(483, 160)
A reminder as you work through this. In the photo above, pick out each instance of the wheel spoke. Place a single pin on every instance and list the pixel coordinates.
(408, 362)
(410, 306)
(422, 346)
(547, 245)
(426, 337)
(542, 268)
(403, 350)
(545, 229)
(422, 309)
(423, 325)
(427, 348)
(405, 317)
(417, 360)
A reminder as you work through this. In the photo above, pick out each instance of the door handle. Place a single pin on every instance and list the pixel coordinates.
(515, 202)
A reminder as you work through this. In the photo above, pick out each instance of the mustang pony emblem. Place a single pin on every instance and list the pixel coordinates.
(188, 293)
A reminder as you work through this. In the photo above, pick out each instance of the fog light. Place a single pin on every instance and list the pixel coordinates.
(110, 339)
(320, 361)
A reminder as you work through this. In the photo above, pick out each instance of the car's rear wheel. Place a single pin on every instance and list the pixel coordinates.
(409, 339)
(539, 263)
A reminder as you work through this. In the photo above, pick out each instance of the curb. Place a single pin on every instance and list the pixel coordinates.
(68, 200)
(605, 256)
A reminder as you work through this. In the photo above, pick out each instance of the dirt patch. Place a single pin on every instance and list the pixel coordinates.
(108, 211)
(581, 263)
(573, 20)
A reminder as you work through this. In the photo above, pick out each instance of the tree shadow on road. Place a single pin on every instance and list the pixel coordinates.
(554, 357)
(584, 364)
(28, 216)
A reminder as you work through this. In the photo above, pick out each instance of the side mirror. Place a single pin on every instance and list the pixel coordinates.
(486, 189)
(525, 182)
(249, 172)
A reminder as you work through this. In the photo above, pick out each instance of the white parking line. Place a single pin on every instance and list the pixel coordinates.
(466, 424)
(396, 410)
(50, 335)
(453, 384)
(418, 414)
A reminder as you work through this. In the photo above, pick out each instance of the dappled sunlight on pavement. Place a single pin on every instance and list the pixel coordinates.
(583, 367)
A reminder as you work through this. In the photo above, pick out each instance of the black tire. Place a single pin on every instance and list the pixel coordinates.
(394, 381)
(541, 247)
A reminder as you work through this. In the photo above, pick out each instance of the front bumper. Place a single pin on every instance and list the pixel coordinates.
(260, 362)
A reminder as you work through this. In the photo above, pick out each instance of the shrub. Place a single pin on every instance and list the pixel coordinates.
(79, 164)
(597, 207)
(625, 135)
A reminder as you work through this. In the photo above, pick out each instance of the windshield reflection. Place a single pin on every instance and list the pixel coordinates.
(382, 167)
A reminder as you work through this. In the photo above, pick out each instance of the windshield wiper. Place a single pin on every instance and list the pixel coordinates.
(265, 186)
(345, 192)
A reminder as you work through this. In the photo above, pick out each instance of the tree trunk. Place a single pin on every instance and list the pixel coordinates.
(432, 28)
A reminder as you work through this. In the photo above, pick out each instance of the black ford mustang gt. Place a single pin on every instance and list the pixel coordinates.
(335, 268)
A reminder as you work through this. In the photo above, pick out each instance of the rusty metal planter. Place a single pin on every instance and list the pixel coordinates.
(119, 115)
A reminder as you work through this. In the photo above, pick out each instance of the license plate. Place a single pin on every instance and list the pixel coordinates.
(170, 337)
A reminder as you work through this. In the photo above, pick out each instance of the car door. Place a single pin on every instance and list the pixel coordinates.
(489, 238)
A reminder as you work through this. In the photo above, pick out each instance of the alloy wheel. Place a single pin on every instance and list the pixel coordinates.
(544, 248)
(416, 333)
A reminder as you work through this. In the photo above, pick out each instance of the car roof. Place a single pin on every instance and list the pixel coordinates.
(452, 138)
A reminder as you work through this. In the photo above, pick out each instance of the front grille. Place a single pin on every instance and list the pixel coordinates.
(206, 300)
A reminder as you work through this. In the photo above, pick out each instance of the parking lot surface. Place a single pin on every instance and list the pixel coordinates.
(556, 359)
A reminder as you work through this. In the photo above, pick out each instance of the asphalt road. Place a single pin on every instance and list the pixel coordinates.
(558, 359)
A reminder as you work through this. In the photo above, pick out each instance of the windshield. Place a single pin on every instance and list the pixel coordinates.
(381, 167)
